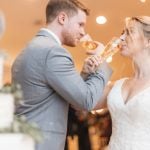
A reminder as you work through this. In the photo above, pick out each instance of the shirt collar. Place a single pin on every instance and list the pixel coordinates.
(53, 35)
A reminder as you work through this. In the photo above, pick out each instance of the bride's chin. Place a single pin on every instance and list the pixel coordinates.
(124, 53)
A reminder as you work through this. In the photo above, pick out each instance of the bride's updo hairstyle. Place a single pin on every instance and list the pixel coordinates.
(144, 21)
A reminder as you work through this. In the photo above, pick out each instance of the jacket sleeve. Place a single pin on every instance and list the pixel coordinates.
(62, 76)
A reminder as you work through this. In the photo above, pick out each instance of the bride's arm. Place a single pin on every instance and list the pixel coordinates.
(103, 101)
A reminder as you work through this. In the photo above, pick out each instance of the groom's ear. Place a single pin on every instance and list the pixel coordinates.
(62, 18)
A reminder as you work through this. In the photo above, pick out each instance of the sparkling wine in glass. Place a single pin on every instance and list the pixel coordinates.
(88, 43)
(111, 47)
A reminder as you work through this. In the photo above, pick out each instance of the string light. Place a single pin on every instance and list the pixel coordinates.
(99, 111)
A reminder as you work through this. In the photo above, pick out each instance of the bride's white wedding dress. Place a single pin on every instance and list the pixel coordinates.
(130, 121)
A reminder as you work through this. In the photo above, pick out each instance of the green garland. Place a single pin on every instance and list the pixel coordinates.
(15, 90)
(20, 123)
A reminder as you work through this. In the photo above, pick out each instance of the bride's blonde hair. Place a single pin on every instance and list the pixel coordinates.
(145, 23)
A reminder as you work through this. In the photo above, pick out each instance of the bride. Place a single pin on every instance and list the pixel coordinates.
(128, 100)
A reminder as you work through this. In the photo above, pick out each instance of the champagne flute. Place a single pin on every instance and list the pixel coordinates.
(110, 49)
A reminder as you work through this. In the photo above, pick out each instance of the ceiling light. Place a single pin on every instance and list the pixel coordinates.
(101, 20)
(143, 1)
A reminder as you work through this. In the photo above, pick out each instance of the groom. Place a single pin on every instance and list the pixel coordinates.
(46, 72)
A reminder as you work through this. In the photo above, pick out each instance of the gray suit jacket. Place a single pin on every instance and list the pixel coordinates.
(45, 70)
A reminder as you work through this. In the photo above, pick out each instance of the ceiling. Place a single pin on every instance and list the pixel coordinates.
(25, 17)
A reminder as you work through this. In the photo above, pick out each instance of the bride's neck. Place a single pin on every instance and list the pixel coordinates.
(142, 68)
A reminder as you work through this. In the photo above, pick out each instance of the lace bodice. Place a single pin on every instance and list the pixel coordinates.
(130, 121)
